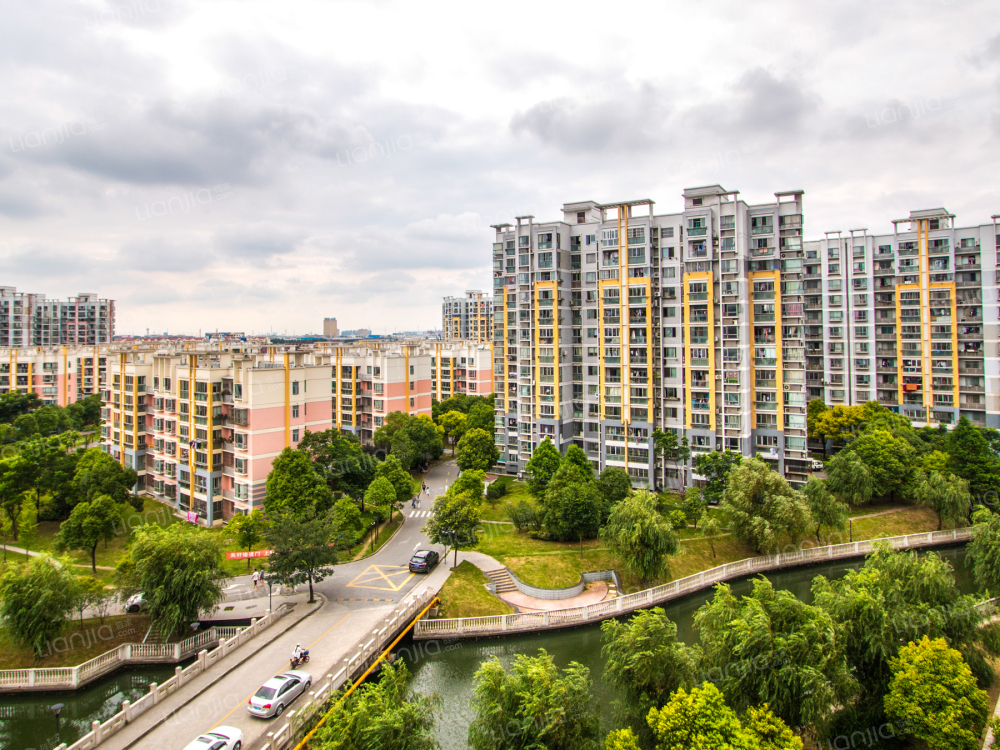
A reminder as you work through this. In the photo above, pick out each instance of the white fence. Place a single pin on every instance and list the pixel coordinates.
(473, 627)
(553, 594)
(70, 678)
(298, 722)
(206, 659)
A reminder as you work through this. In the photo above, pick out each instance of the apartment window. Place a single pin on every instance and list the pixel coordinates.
(295, 411)
(295, 435)
(412, 402)
(295, 387)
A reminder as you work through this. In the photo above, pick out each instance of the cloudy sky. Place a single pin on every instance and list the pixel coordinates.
(260, 165)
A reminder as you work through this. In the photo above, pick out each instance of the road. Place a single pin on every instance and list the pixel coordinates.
(359, 596)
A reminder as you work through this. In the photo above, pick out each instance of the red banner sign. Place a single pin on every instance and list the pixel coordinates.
(248, 555)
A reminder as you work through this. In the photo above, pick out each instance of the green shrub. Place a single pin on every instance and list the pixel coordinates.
(524, 515)
(677, 519)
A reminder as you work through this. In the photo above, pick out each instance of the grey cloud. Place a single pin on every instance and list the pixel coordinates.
(253, 242)
(158, 253)
(518, 71)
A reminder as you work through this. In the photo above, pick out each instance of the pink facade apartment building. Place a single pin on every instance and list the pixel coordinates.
(58, 375)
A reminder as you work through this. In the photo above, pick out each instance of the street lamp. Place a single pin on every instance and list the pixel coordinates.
(56, 709)
(194, 627)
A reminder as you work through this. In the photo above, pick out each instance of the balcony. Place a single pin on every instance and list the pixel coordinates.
(697, 231)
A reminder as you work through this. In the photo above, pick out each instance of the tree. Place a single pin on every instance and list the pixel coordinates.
(87, 525)
(346, 522)
(576, 457)
(947, 494)
(770, 646)
(639, 536)
(614, 485)
(14, 404)
(423, 438)
(971, 457)
(934, 693)
(894, 598)
(97, 473)
(984, 549)
(694, 505)
(542, 466)
(710, 529)
(294, 487)
(26, 426)
(824, 507)
(814, 409)
(571, 507)
(340, 459)
(381, 495)
(621, 739)
(301, 551)
(36, 598)
(715, 467)
(28, 530)
(402, 483)
(481, 416)
(454, 427)
(248, 530)
(453, 522)
(89, 592)
(849, 479)
(890, 460)
(470, 482)
(382, 715)
(645, 662)
(476, 450)
(178, 568)
(6, 530)
(701, 719)
(392, 424)
(677, 452)
(761, 506)
(533, 705)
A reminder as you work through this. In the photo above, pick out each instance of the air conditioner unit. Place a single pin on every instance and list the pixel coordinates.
(783, 255)
(787, 388)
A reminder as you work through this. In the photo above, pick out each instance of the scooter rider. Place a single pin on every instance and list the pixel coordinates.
(297, 654)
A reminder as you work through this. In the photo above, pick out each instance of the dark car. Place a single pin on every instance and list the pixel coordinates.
(423, 560)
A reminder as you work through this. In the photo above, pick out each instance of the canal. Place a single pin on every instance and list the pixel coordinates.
(448, 668)
(27, 723)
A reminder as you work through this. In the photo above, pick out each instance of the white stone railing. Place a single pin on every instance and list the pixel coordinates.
(298, 722)
(71, 678)
(101, 731)
(477, 627)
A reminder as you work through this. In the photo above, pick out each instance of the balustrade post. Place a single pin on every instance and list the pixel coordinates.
(127, 710)
(154, 691)
(177, 673)
(31, 677)
(202, 660)
(586, 610)
(546, 618)
(95, 727)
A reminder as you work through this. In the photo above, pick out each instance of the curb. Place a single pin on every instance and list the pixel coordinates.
(382, 546)
(320, 603)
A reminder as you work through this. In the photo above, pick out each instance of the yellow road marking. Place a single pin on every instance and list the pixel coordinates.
(287, 665)
(382, 574)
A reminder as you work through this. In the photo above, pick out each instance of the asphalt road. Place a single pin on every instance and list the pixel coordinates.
(359, 596)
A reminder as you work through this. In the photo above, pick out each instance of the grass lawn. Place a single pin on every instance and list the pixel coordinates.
(866, 510)
(464, 595)
(78, 643)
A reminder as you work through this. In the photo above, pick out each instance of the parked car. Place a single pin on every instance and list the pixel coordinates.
(274, 695)
(818, 465)
(135, 603)
(423, 561)
(220, 738)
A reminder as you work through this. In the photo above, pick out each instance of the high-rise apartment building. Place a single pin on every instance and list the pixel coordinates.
(33, 320)
(330, 329)
(468, 318)
(719, 323)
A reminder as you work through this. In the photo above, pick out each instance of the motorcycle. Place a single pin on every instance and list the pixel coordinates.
(296, 663)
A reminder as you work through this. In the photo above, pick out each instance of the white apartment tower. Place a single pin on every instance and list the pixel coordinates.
(468, 318)
(719, 323)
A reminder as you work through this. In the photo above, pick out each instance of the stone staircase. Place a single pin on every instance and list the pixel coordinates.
(501, 580)
(153, 635)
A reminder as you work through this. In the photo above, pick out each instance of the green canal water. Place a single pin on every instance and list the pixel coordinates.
(448, 668)
(27, 723)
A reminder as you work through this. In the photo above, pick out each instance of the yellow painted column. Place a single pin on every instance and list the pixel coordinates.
(121, 409)
(288, 403)
(65, 401)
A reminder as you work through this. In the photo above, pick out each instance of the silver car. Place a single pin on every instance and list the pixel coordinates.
(274, 695)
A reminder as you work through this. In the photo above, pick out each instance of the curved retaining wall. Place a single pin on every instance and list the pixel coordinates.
(478, 627)
(567, 593)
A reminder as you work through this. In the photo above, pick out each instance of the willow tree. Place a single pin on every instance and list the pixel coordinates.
(762, 507)
(639, 536)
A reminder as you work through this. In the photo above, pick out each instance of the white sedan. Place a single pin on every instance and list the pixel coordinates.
(220, 738)
(274, 695)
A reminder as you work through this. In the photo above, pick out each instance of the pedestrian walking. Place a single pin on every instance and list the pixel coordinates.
(427, 491)
(254, 578)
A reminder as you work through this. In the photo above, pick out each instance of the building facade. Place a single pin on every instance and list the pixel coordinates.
(58, 375)
(32, 320)
(330, 329)
(719, 323)
(201, 422)
(468, 318)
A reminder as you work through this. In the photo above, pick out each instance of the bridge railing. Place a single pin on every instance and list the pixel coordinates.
(471, 627)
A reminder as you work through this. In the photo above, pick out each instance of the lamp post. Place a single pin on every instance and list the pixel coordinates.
(56, 709)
